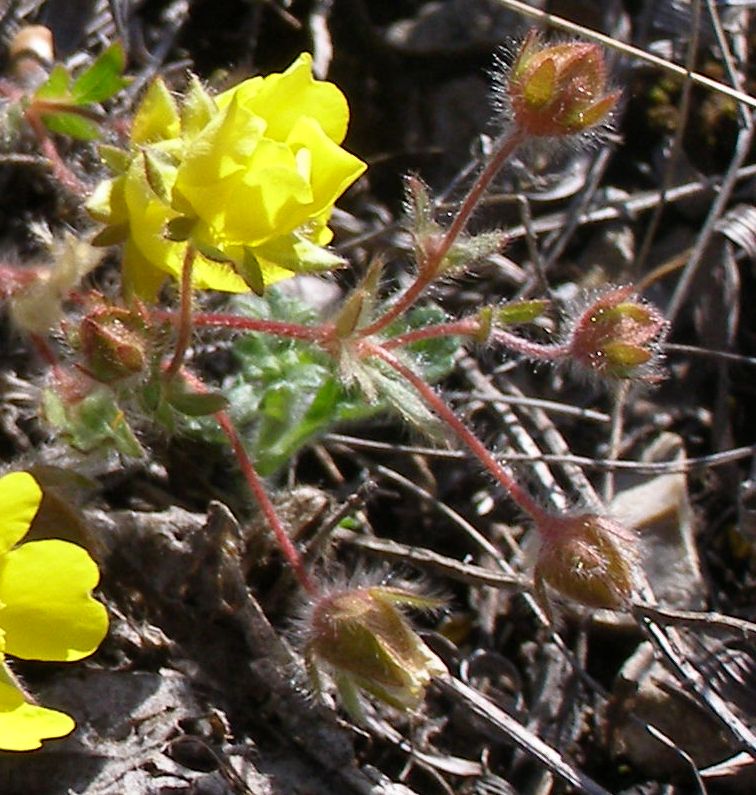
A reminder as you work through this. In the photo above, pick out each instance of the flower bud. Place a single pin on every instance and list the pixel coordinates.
(114, 343)
(560, 89)
(618, 336)
(362, 636)
(588, 558)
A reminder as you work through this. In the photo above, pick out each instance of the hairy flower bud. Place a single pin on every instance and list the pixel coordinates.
(366, 642)
(588, 558)
(618, 336)
(560, 89)
(114, 343)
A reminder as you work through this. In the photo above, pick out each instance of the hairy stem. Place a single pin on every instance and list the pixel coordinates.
(278, 328)
(518, 494)
(534, 350)
(468, 327)
(185, 314)
(435, 257)
(285, 544)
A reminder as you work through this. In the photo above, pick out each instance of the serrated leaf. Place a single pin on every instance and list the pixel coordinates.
(72, 125)
(56, 86)
(102, 79)
(94, 422)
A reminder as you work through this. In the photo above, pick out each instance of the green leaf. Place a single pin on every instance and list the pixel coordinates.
(102, 79)
(72, 125)
(56, 86)
(92, 423)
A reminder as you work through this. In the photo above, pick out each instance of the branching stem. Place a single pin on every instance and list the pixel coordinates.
(435, 257)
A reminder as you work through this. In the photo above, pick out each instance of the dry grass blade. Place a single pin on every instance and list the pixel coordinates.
(627, 49)
(522, 737)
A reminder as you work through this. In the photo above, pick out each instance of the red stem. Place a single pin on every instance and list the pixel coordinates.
(285, 544)
(317, 334)
(435, 256)
(467, 327)
(535, 350)
(518, 494)
(185, 314)
(60, 170)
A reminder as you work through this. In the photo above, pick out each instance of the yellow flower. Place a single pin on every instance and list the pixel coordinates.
(248, 178)
(46, 611)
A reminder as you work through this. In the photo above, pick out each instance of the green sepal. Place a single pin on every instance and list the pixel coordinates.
(155, 167)
(197, 109)
(111, 236)
(249, 269)
(520, 312)
(180, 229)
(193, 404)
(117, 160)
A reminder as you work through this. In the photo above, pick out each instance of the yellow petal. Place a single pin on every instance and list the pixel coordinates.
(209, 275)
(333, 169)
(140, 277)
(281, 99)
(19, 500)
(23, 726)
(149, 217)
(48, 611)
